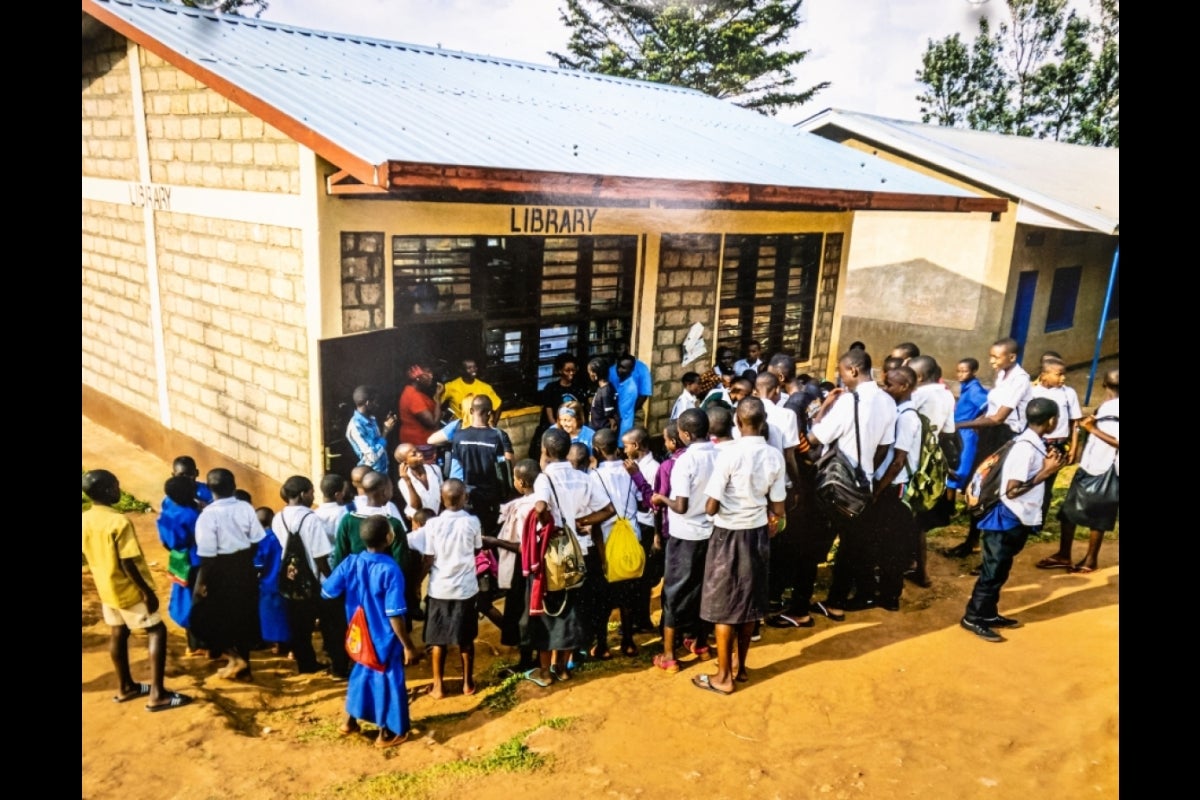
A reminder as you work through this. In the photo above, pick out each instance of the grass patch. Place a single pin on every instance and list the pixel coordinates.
(128, 503)
(511, 755)
(504, 696)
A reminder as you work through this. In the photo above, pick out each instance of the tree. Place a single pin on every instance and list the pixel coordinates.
(1046, 73)
(229, 6)
(734, 49)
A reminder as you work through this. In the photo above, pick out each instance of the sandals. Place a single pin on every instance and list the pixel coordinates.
(1051, 562)
(666, 664)
(702, 652)
(1082, 569)
(629, 649)
(822, 609)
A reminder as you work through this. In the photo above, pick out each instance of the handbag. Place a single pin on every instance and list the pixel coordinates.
(843, 488)
(1093, 500)
(359, 646)
(623, 554)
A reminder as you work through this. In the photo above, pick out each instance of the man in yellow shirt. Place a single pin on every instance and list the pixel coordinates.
(126, 591)
(469, 385)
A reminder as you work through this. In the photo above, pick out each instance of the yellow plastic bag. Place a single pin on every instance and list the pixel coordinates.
(623, 553)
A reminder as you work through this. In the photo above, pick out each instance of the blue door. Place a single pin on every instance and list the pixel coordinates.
(1023, 310)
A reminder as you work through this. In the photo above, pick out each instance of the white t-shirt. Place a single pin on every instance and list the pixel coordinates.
(227, 526)
(430, 497)
(580, 494)
(311, 528)
(876, 424)
(685, 401)
(1068, 408)
(744, 477)
(331, 514)
(1024, 460)
(908, 439)
(1013, 390)
(361, 506)
(648, 466)
(452, 538)
(689, 478)
(936, 402)
(1098, 456)
(618, 488)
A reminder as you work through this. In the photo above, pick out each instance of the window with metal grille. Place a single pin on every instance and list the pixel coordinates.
(537, 296)
(769, 293)
(1063, 293)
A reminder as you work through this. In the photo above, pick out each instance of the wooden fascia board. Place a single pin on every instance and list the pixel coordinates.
(409, 176)
(330, 151)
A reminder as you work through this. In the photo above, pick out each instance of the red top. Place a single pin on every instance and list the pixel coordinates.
(412, 402)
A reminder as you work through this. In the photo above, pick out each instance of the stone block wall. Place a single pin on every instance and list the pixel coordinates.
(363, 288)
(831, 267)
(199, 138)
(686, 294)
(235, 339)
(118, 344)
(108, 149)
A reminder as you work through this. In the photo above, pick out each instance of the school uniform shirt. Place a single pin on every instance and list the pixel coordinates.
(331, 514)
(108, 538)
(452, 538)
(874, 426)
(908, 439)
(936, 402)
(227, 526)
(579, 494)
(1098, 456)
(618, 488)
(685, 401)
(742, 365)
(689, 478)
(744, 477)
(1068, 408)
(782, 429)
(1013, 390)
(311, 528)
(430, 496)
(1024, 460)
(362, 506)
(648, 466)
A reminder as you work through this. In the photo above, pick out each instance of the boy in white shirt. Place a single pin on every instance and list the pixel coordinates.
(451, 620)
(1052, 383)
(687, 398)
(1010, 521)
(891, 520)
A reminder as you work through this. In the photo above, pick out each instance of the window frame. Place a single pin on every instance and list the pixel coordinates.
(1063, 298)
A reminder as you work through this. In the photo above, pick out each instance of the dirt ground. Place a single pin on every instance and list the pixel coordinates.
(884, 705)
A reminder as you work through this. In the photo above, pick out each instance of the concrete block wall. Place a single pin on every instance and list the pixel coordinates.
(686, 294)
(118, 345)
(235, 339)
(108, 147)
(199, 138)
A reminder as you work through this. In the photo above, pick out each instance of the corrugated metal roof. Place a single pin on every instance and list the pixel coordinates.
(1080, 183)
(381, 101)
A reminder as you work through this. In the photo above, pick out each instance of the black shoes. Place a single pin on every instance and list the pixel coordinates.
(859, 604)
(889, 605)
(822, 609)
(961, 551)
(999, 621)
(981, 630)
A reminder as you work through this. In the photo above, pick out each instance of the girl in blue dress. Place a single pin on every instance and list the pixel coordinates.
(372, 581)
(177, 532)
(272, 608)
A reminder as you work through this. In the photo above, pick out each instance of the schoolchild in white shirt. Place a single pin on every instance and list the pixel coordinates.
(1052, 383)
(891, 522)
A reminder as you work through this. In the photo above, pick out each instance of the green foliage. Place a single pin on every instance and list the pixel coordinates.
(128, 503)
(1046, 73)
(229, 6)
(734, 49)
(512, 755)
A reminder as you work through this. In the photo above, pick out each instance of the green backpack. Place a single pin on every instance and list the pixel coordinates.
(928, 484)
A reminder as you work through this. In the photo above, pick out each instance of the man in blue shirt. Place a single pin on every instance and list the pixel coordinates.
(632, 379)
(367, 440)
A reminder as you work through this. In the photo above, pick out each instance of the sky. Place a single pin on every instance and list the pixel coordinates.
(869, 50)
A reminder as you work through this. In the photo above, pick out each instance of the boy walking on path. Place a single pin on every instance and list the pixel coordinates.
(747, 477)
(126, 591)
(1007, 525)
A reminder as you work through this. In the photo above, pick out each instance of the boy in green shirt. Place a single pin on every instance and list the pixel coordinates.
(126, 591)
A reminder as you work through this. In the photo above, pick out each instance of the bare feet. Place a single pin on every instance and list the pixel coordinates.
(468, 688)
(437, 693)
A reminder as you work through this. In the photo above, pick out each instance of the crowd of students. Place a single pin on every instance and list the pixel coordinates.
(729, 521)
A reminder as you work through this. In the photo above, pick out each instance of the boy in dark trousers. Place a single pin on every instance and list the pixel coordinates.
(1004, 529)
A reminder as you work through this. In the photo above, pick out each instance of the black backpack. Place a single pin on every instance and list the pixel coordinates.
(296, 578)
